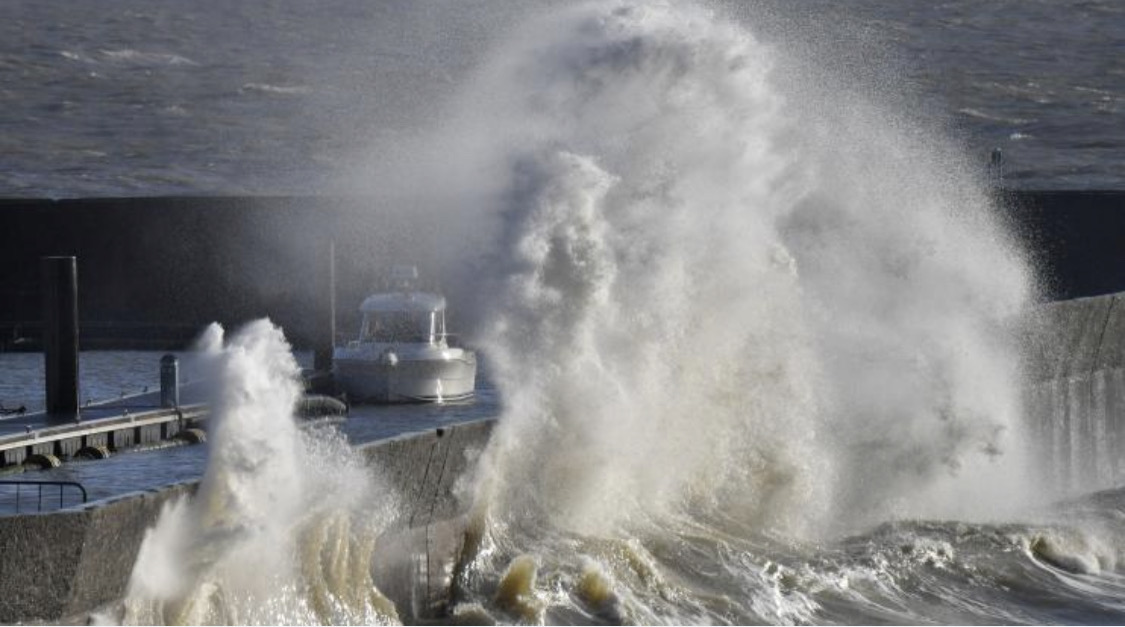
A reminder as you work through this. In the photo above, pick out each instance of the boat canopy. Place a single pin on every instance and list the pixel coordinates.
(403, 301)
(411, 317)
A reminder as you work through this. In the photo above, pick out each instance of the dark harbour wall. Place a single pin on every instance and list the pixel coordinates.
(1077, 239)
(153, 271)
(61, 566)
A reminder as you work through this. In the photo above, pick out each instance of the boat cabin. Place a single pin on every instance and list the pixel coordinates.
(403, 317)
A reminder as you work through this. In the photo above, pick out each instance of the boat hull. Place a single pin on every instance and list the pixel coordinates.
(407, 380)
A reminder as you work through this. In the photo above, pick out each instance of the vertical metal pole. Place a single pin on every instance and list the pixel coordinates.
(326, 334)
(60, 334)
(996, 169)
(169, 381)
(331, 313)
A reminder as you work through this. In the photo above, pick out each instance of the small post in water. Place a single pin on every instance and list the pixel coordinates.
(60, 334)
(169, 381)
(996, 169)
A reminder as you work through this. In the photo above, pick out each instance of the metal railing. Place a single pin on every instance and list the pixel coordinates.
(36, 488)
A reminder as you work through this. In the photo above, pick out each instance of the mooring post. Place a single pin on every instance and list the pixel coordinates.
(60, 334)
(996, 170)
(326, 331)
(169, 381)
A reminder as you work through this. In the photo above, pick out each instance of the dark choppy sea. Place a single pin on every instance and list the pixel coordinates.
(150, 97)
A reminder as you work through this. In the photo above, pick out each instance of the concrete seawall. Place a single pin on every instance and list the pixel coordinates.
(63, 565)
(67, 563)
(1076, 397)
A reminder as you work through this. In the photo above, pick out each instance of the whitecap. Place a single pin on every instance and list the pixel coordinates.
(139, 57)
(288, 90)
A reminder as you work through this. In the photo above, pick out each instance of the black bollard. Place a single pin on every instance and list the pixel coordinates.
(60, 334)
(326, 331)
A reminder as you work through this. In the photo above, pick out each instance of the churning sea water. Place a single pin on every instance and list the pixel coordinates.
(142, 97)
(744, 298)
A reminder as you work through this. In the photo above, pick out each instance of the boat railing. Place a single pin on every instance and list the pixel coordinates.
(17, 496)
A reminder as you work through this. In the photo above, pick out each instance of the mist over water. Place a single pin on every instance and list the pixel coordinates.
(724, 307)
(708, 289)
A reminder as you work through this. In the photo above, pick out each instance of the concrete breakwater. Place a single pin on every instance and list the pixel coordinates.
(1076, 397)
(64, 565)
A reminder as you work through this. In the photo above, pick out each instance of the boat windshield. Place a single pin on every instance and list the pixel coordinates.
(402, 326)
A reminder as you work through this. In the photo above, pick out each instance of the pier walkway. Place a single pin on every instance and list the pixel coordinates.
(43, 440)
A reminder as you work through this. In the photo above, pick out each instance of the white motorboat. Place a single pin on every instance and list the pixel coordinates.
(403, 353)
